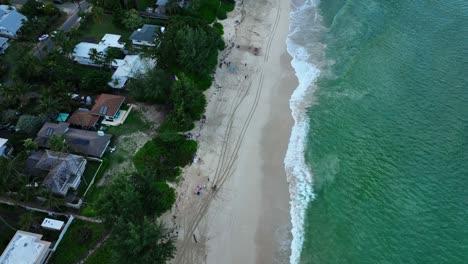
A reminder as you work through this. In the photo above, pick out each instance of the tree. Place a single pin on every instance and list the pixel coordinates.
(96, 81)
(30, 124)
(188, 102)
(63, 42)
(58, 144)
(132, 20)
(32, 8)
(154, 86)
(8, 117)
(143, 241)
(120, 201)
(158, 195)
(189, 44)
(30, 145)
(97, 57)
(50, 9)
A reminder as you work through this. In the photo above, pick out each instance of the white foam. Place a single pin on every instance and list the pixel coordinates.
(298, 174)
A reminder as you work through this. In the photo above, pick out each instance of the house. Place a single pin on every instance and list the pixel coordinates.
(83, 119)
(61, 171)
(83, 51)
(10, 21)
(161, 6)
(25, 247)
(107, 105)
(80, 141)
(112, 40)
(130, 67)
(145, 35)
(3, 45)
(5, 149)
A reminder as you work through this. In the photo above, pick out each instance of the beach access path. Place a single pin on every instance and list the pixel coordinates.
(241, 214)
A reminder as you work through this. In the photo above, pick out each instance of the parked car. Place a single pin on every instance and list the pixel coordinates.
(43, 37)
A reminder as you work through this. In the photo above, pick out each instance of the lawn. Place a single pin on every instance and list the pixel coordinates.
(101, 256)
(133, 123)
(105, 25)
(80, 238)
(93, 193)
(91, 168)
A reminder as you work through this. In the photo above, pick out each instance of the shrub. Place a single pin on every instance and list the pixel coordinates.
(8, 117)
(30, 124)
(163, 156)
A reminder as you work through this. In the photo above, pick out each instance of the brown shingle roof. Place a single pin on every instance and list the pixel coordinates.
(107, 104)
(83, 117)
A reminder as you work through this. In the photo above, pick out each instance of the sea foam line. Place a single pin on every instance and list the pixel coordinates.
(298, 174)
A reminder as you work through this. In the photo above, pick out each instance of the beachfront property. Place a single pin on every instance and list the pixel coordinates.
(130, 67)
(146, 35)
(84, 142)
(25, 247)
(107, 105)
(82, 52)
(10, 21)
(60, 171)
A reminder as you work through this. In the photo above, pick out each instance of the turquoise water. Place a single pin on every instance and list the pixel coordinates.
(388, 133)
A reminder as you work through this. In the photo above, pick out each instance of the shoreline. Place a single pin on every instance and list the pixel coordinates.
(243, 213)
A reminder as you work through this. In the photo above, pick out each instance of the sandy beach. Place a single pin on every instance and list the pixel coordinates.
(241, 214)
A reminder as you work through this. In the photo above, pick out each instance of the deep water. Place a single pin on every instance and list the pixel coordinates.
(387, 143)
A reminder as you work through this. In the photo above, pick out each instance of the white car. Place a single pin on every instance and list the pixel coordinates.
(43, 37)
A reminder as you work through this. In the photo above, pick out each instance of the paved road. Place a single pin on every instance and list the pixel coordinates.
(48, 44)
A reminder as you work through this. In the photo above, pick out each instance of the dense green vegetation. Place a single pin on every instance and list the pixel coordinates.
(80, 237)
(164, 155)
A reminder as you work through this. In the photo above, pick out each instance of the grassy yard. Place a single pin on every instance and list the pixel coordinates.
(79, 239)
(91, 168)
(104, 25)
(133, 123)
(93, 193)
(102, 255)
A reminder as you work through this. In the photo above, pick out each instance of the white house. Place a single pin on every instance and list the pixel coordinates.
(130, 67)
(112, 40)
(83, 50)
(145, 35)
(25, 247)
(10, 21)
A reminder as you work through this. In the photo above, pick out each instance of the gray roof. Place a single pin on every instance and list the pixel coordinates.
(12, 21)
(3, 41)
(61, 170)
(145, 33)
(162, 2)
(80, 141)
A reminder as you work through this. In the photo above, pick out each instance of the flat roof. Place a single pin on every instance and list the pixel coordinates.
(83, 49)
(52, 224)
(25, 247)
(112, 40)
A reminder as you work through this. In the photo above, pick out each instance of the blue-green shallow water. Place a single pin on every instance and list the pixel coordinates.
(388, 138)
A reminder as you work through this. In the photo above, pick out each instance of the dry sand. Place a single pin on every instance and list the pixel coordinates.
(242, 215)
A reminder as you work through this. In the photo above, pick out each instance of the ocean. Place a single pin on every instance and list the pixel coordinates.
(378, 157)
